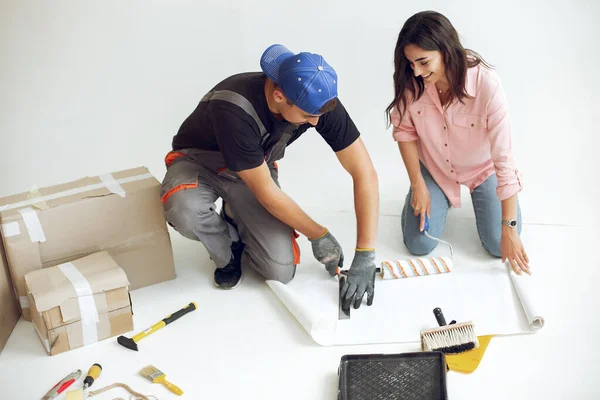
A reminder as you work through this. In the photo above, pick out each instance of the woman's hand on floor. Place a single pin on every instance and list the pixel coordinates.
(513, 250)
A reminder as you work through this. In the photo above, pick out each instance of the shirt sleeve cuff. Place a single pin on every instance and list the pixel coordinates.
(404, 136)
(510, 187)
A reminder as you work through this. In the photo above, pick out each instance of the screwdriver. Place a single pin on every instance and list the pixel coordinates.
(92, 375)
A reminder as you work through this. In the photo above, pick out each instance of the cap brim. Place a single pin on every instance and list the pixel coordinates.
(271, 60)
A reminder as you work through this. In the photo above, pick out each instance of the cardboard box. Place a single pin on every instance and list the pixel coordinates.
(120, 213)
(79, 303)
(9, 312)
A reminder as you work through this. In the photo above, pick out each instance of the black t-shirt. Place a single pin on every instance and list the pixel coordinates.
(219, 125)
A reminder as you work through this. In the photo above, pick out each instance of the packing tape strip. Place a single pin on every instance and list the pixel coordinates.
(87, 305)
(71, 192)
(112, 184)
(45, 341)
(35, 194)
(32, 222)
(422, 266)
(24, 301)
(11, 229)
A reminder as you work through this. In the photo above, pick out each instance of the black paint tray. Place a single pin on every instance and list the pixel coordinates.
(406, 376)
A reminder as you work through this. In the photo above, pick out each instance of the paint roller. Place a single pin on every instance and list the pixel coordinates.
(422, 266)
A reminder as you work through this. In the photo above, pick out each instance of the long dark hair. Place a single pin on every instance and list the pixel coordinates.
(430, 31)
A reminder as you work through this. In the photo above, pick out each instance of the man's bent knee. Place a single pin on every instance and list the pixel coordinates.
(281, 273)
(272, 270)
(183, 211)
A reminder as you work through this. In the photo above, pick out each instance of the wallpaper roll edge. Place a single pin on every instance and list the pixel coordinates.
(319, 329)
(525, 287)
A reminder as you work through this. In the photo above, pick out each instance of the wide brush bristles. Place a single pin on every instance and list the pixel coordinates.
(151, 373)
(450, 339)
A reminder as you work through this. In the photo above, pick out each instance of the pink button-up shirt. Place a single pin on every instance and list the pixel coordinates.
(465, 143)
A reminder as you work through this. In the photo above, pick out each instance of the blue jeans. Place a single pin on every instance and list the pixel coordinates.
(488, 216)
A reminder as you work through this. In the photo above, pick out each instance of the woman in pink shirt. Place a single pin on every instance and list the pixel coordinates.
(451, 123)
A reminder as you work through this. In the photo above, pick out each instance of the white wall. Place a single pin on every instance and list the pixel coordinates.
(91, 87)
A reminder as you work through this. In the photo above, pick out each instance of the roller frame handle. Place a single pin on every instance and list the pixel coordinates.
(439, 316)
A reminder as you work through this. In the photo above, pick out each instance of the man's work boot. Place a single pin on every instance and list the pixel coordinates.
(230, 276)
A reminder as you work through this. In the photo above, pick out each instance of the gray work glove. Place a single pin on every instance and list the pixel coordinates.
(360, 279)
(328, 251)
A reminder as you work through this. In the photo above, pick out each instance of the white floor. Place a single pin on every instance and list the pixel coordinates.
(124, 91)
(244, 344)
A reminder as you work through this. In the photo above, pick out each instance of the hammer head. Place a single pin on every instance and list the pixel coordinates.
(127, 342)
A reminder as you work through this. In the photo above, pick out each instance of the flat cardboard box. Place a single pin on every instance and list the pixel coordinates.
(79, 303)
(9, 312)
(120, 213)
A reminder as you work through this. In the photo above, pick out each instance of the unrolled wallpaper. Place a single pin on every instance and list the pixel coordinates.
(492, 297)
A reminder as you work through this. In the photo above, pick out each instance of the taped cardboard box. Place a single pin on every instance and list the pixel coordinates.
(120, 213)
(9, 312)
(79, 303)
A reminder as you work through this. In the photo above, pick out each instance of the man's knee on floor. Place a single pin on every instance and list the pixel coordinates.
(420, 245)
(281, 272)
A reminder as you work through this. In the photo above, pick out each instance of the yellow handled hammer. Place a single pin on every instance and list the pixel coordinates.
(131, 343)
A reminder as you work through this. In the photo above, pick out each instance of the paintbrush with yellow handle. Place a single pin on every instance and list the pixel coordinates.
(154, 375)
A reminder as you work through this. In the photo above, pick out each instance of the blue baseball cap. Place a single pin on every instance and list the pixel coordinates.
(305, 78)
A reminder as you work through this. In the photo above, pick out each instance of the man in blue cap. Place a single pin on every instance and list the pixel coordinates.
(228, 148)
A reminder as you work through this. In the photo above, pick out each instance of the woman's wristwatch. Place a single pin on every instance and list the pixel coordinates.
(509, 222)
